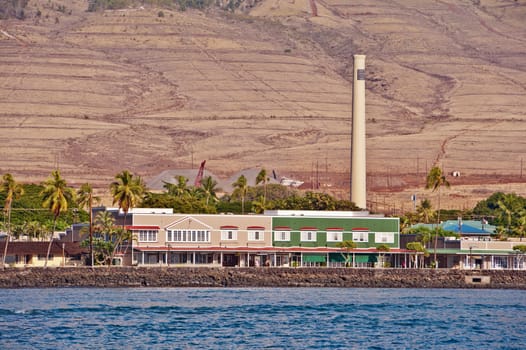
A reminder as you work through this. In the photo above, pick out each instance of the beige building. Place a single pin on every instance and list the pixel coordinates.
(33, 254)
(203, 239)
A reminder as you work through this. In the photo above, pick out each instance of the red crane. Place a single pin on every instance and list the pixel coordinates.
(199, 176)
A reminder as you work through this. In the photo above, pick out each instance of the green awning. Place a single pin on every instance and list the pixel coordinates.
(314, 258)
(360, 258)
(366, 258)
(337, 257)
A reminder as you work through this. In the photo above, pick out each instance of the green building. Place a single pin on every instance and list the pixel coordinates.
(317, 238)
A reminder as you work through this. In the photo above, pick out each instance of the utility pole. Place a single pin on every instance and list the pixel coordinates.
(57, 160)
(317, 176)
(312, 176)
(326, 173)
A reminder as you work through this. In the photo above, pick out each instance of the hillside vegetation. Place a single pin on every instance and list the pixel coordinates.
(159, 86)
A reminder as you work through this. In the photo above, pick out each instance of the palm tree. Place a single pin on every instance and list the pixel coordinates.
(127, 191)
(319, 201)
(85, 200)
(506, 209)
(103, 245)
(263, 178)
(44, 230)
(520, 250)
(425, 235)
(118, 237)
(417, 247)
(405, 223)
(18, 231)
(56, 196)
(32, 229)
(424, 211)
(105, 224)
(103, 251)
(209, 188)
(180, 189)
(435, 180)
(258, 205)
(520, 227)
(347, 247)
(241, 188)
(12, 190)
(382, 250)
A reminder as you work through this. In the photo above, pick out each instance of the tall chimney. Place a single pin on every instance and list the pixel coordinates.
(358, 167)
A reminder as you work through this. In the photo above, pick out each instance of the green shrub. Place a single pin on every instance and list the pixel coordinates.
(95, 5)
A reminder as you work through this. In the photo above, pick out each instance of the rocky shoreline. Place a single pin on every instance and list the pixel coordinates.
(258, 277)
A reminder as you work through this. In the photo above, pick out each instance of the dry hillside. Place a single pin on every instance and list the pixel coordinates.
(96, 93)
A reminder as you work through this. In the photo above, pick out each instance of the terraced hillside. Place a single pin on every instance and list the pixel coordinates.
(145, 90)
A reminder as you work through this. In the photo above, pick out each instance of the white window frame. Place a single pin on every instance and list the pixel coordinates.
(256, 235)
(184, 236)
(281, 236)
(334, 236)
(308, 236)
(147, 235)
(229, 235)
(360, 236)
(384, 237)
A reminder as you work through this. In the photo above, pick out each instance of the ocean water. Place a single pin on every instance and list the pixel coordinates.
(262, 318)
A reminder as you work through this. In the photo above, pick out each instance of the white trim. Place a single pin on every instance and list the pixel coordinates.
(187, 218)
(360, 236)
(334, 236)
(149, 238)
(281, 236)
(229, 234)
(319, 213)
(187, 235)
(251, 235)
(384, 237)
(308, 236)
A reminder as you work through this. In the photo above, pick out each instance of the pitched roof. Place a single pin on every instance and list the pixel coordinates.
(40, 248)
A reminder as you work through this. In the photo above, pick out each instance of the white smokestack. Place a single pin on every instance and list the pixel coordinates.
(358, 166)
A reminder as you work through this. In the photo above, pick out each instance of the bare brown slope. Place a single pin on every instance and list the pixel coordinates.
(101, 92)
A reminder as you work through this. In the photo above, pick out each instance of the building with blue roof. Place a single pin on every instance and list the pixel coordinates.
(472, 245)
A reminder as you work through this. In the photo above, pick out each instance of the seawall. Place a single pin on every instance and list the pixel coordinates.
(258, 277)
